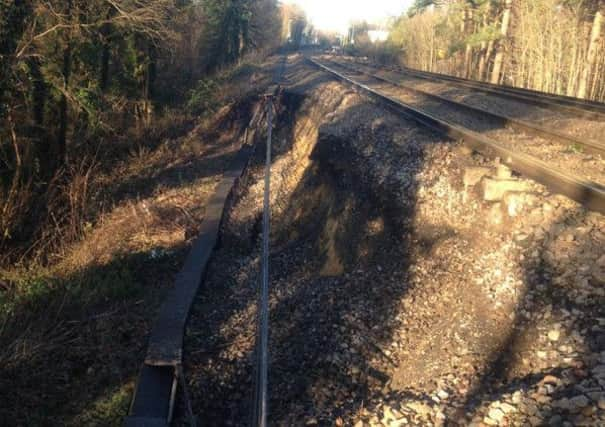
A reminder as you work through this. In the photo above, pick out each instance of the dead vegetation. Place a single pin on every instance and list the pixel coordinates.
(74, 316)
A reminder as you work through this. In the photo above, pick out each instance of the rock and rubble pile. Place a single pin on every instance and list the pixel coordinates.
(412, 282)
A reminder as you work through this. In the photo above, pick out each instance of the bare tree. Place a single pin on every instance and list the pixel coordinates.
(499, 58)
(591, 55)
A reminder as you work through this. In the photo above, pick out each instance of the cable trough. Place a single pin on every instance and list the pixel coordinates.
(590, 194)
(154, 398)
(162, 370)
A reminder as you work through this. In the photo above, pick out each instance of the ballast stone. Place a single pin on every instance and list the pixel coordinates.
(503, 172)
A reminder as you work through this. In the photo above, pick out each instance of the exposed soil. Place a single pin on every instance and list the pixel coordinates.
(398, 294)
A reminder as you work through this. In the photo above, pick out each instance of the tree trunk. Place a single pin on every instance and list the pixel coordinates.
(468, 54)
(39, 94)
(432, 51)
(149, 84)
(486, 47)
(106, 31)
(60, 149)
(591, 56)
(499, 59)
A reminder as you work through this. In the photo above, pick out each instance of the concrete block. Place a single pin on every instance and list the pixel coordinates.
(494, 189)
(503, 172)
(472, 175)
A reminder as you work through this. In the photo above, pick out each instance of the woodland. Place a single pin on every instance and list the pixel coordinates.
(83, 83)
(555, 46)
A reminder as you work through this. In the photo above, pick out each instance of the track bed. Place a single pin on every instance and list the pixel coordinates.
(399, 294)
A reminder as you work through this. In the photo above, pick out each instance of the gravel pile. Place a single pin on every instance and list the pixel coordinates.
(399, 295)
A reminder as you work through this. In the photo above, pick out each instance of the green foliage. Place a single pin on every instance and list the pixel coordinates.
(489, 33)
(226, 31)
(576, 148)
(203, 98)
(35, 290)
(420, 6)
(235, 27)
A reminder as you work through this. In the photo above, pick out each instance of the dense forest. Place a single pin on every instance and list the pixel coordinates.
(554, 46)
(82, 80)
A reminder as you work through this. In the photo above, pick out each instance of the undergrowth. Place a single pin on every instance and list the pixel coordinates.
(73, 329)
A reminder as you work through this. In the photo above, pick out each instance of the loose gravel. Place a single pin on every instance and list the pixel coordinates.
(399, 296)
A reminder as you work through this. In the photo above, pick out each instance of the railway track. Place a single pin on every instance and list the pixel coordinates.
(594, 147)
(430, 114)
(581, 108)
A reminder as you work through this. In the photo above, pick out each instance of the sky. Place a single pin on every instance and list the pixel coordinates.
(335, 15)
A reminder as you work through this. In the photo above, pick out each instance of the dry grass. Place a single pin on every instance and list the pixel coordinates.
(73, 330)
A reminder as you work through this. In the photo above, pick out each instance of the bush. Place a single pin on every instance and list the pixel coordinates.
(203, 98)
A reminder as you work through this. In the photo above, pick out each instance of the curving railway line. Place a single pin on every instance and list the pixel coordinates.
(550, 157)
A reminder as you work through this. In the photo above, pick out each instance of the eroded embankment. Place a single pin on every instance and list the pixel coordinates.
(406, 285)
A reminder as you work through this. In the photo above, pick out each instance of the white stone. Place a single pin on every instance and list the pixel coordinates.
(554, 335)
(442, 394)
(496, 414)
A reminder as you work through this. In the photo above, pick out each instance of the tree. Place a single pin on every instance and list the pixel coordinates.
(591, 54)
(419, 6)
(76, 73)
(499, 58)
(294, 22)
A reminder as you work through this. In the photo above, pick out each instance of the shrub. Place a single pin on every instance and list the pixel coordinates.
(203, 98)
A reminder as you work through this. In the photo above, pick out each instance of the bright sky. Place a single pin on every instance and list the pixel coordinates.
(335, 15)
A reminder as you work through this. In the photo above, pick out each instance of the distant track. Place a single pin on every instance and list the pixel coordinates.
(590, 194)
(578, 107)
(594, 147)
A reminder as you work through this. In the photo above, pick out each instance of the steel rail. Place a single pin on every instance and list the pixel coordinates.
(261, 389)
(589, 194)
(550, 103)
(262, 369)
(560, 99)
(594, 147)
